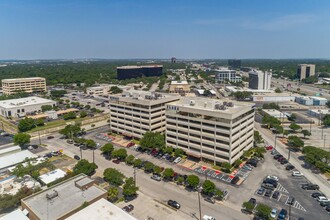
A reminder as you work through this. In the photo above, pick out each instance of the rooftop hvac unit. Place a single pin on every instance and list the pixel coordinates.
(52, 195)
(192, 102)
(230, 104)
(225, 103)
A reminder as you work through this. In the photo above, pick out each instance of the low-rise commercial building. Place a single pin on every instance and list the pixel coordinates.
(180, 87)
(226, 75)
(218, 131)
(318, 113)
(29, 85)
(134, 112)
(63, 199)
(274, 113)
(311, 100)
(14, 158)
(24, 106)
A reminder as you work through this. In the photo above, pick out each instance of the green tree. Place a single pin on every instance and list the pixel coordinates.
(218, 194)
(115, 90)
(129, 159)
(70, 131)
(157, 170)
(129, 188)
(263, 211)
(306, 133)
(21, 139)
(113, 194)
(178, 152)
(39, 122)
(153, 140)
(107, 149)
(137, 163)
(295, 142)
(84, 166)
(242, 95)
(90, 143)
(271, 105)
(226, 167)
(70, 115)
(26, 124)
(192, 181)
(113, 176)
(328, 104)
(208, 187)
(87, 107)
(270, 121)
(257, 137)
(326, 120)
(278, 90)
(248, 206)
(45, 108)
(148, 166)
(168, 173)
(294, 127)
(168, 150)
(120, 154)
(292, 117)
(57, 93)
(83, 114)
(180, 180)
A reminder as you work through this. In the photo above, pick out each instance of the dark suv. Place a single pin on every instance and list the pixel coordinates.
(310, 187)
(174, 204)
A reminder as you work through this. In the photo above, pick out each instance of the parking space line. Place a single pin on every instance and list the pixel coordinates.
(281, 188)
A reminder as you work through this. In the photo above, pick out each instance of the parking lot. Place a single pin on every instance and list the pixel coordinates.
(4, 139)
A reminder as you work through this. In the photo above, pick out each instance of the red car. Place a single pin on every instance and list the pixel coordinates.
(130, 144)
(270, 147)
(117, 161)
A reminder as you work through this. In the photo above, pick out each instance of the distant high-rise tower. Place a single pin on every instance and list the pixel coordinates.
(305, 70)
(173, 60)
(260, 80)
(234, 64)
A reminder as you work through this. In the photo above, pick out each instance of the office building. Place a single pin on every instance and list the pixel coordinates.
(260, 80)
(234, 64)
(103, 90)
(173, 60)
(29, 85)
(305, 70)
(311, 100)
(134, 112)
(180, 87)
(64, 199)
(128, 72)
(18, 108)
(101, 210)
(226, 75)
(213, 130)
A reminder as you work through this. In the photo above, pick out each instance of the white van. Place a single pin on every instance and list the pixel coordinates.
(177, 160)
(207, 217)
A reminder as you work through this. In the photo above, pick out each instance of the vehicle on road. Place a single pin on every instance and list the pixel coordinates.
(289, 167)
(297, 173)
(310, 187)
(317, 194)
(50, 137)
(273, 213)
(156, 177)
(210, 200)
(116, 161)
(208, 217)
(76, 157)
(174, 204)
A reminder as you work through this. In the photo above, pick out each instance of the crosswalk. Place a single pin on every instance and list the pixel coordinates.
(281, 188)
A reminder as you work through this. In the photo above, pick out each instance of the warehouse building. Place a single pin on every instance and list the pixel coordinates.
(64, 199)
(29, 85)
(134, 112)
(18, 108)
(311, 100)
(218, 131)
(128, 72)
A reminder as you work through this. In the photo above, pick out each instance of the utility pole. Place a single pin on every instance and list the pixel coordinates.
(134, 175)
(39, 138)
(199, 204)
(80, 153)
(289, 153)
(275, 141)
(93, 155)
(310, 126)
(324, 142)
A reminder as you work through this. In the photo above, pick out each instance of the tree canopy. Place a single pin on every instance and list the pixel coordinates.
(193, 181)
(295, 141)
(120, 153)
(21, 139)
(208, 187)
(84, 166)
(129, 188)
(113, 176)
(70, 131)
(318, 157)
(152, 140)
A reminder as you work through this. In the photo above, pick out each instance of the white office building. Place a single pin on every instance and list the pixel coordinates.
(18, 108)
(29, 85)
(218, 131)
(260, 80)
(226, 75)
(135, 112)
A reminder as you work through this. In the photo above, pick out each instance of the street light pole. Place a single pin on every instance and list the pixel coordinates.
(199, 204)
(80, 153)
(275, 141)
(39, 138)
(289, 153)
(324, 142)
(134, 174)
(93, 155)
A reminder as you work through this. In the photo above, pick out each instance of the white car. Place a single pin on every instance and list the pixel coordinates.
(273, 178)
(207, 217)
(177, 160)
(273, 213)
(323, 199)
(297, 173)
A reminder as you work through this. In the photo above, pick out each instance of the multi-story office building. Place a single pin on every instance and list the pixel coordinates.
(260, 80)
(305, 70)
(128, 72)
(180, 87)
(234, 63)
(134, 112)
(29, 85)
(226, 75)
(218, 131)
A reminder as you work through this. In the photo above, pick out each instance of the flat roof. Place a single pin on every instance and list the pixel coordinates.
(102, 210)
(23, 102)
(179, 83)
(15, 215)
(239, 89)
(52, 176)
(319, 98)
(137, 96)
(273, 112)
(23, 79)
(9, 149)
(139, 67)
(320, 111)
(69, 198)
(15, 158)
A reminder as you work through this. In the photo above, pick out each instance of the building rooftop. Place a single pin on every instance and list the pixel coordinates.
(143, 97)
(102, 210)
(61, 198)
(22, 79)
(15, 158)
(227, 107)
(52, 176)
(23, 102)
(12, 184)
(179, 83)
(139, 67)
(15, 215)
(4, 151)
(319, 98)
(274, 112)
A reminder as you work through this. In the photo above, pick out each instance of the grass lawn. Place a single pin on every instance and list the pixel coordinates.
(52, 124)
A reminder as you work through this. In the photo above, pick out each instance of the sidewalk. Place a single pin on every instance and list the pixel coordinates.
(281, 148)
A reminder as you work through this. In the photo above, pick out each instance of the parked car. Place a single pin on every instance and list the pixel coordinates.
(268, 193)
(208, 217)
(128, 208)
(271, 181)
(261, 191)
(116, 161)
(282, 215)
(269, 147)
(69, 141)
(234, 180)
(174, 204)
(317, 194)
(50, 137)
(131, 144)
(177, 160)
(285, 161)
(322, 199)
(290, 200)
(324, 203)
(273, 213)
(310, 187)
(76, 157)
(297, 173)
(274, 152)
(289, 167)
(273, 177)
(268, 186)
(277, 156)
(253, 201)
(156, 177)
(210, 200)
(276, 194)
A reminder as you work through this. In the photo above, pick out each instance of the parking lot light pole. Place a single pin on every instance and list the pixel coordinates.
(289, 153)
(39, 138)
(134, 174)
(275, 141)
(93, 155)
(199, 203)
(80, 152)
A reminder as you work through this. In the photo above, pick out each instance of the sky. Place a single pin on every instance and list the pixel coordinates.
(185, 29)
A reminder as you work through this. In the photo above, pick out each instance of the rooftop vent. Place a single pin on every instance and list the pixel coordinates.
(230, 104)
(220, 107)
(52, 195)
(192, 102)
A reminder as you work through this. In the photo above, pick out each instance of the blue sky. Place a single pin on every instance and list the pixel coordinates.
(48, 29)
